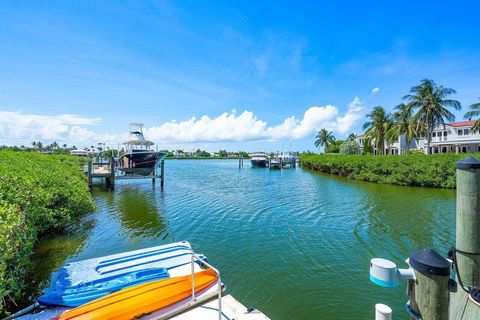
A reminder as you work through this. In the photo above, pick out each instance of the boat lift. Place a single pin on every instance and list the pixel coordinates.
(105, 169)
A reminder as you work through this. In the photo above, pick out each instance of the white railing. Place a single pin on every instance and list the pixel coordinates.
(195, 256)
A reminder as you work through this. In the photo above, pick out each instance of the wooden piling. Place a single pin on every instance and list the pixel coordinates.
(467, 239)
(112, 174)
(89, 173)
(162, 173)
(468, 221)
(428, 293)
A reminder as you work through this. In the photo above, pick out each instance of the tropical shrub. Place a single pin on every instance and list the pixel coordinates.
(334, 147)
(350, 147)
(437, 171)
(38, 194)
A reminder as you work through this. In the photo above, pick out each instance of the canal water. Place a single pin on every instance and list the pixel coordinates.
(293, 243)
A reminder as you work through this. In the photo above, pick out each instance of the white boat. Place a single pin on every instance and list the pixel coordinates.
(287, 158)
(139, 158)
(259, 160)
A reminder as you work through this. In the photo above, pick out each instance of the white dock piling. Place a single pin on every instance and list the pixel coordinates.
(383, 312)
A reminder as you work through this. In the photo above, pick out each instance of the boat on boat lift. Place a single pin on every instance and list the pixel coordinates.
(139, 158)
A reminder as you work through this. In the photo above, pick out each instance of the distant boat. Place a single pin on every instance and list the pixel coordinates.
(287, 158)
(259, 160)
(138, 158)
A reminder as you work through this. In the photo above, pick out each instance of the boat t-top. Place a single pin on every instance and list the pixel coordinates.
(138, 158)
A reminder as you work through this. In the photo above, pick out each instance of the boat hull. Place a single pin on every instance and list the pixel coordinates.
(259, 163)
(139, 163)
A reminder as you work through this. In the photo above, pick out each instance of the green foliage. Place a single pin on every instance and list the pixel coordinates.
(437, 171)
(350, 147)
(324, 138)
(223, 153)
(38, 193)
(334, 147)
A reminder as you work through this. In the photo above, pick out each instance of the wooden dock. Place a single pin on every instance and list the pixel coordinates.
(106, 170)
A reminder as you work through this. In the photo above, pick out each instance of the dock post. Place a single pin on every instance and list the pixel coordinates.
(269, 163)
(467, 247)
(383, 312)
(89, 173)
(112, 174)
(468, 221)
(162, 173)
(429, 291)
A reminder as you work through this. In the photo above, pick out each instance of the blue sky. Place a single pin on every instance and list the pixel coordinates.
(106, 63)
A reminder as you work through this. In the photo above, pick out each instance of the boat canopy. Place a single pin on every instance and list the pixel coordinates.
(135, 136)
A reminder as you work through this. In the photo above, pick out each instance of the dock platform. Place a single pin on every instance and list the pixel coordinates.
(232, 309)
(107, 171)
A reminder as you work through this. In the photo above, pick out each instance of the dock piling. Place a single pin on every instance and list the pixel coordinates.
(468, 221)
(162, 173)
(383, 312)
(429, 296)
(467, 248)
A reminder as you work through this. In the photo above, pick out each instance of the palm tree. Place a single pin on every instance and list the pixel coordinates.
(351, 137)
(474, 112)
(324, 138)
(430, 100)
(377, 126)
(402, 123)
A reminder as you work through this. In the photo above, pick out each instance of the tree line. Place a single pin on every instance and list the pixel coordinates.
(425, 107)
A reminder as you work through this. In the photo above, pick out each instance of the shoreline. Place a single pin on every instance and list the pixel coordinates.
(432, 171)
(39, 195)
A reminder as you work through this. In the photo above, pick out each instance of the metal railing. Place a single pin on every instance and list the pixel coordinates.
(194, 258)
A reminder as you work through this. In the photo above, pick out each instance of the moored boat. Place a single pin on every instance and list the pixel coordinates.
(139, 158)
(259, 160)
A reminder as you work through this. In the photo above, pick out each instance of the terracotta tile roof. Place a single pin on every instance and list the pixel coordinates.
(462, 123)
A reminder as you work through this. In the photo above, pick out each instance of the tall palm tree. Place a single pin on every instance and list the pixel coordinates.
(324, 138)
(351, 137)
(474, 112)
(377, 127)
(432, 103)
(402, 123)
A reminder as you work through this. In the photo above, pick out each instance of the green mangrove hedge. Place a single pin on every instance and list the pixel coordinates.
(38, 194)
(437, 171)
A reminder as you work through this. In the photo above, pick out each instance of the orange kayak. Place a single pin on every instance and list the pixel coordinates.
(141, 299)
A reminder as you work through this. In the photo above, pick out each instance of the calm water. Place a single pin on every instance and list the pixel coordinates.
(295, 244)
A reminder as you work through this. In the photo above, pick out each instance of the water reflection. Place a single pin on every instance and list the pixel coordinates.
(140, 211)
(52, 251)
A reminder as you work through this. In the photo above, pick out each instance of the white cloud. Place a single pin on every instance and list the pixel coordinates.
(375, 90)
(247, 127)
(18, 127)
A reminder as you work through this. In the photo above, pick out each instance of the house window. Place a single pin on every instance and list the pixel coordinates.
(465, 131)
(460, 132)
(464, 149)
(434, 134)
(478, 148)
(444, 133)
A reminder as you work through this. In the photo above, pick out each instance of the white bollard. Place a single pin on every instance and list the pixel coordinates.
(383, 312)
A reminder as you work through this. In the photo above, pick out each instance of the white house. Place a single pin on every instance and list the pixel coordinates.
(454, 137)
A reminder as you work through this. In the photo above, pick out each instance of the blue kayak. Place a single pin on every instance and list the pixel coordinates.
(76, 295)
